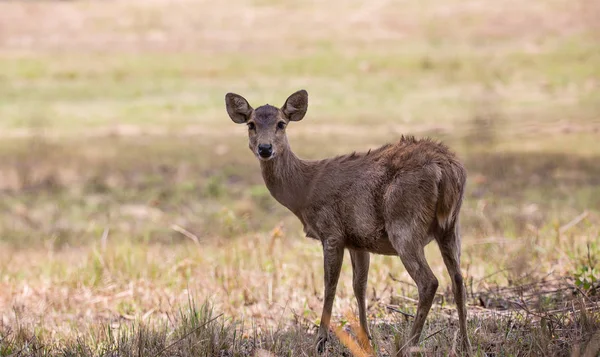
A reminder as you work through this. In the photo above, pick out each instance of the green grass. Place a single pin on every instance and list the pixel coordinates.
(81, 92)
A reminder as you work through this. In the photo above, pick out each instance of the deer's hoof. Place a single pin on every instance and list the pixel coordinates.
(466, 347)
(321, 342)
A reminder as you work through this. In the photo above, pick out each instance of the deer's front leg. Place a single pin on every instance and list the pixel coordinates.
(333, 255)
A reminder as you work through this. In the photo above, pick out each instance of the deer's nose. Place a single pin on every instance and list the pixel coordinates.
(265, 150)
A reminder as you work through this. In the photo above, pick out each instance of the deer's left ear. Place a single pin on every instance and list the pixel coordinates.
(238, 108)
(296, 105)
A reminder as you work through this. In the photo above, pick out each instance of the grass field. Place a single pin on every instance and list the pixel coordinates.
(134, 220)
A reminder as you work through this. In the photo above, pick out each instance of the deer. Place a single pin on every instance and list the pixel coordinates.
(393, 200)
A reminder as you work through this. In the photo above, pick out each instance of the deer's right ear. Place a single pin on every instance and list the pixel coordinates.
(238, 108)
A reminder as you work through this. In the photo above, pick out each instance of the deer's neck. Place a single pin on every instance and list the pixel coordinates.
(288, 179)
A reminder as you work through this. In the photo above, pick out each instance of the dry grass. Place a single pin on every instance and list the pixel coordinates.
(80, 293)
(133, 240)
(128, 197)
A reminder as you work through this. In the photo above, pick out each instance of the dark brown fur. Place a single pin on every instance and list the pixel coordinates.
(393, 200)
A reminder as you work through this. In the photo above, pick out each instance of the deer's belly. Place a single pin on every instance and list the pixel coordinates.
(376, 243)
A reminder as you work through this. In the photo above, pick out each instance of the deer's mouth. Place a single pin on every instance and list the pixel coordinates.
(265, 157)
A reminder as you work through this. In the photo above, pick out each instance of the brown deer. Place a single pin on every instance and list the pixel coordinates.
(393, 200)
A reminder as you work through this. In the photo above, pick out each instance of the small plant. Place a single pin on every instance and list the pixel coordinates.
(587, 276)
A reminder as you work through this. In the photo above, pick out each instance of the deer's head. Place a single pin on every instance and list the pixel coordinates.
(267, 124)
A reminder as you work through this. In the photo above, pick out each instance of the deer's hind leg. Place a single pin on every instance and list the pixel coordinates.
(449, 243)
(409, 241)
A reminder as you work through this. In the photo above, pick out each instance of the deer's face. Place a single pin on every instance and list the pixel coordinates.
(267, 124)
(266, 131)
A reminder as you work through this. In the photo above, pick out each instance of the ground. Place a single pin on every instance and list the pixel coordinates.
(135, 221)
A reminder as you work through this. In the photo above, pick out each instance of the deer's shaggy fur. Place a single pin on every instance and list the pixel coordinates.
(393, 200)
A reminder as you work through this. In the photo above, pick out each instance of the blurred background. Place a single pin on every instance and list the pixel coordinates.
(121, 173)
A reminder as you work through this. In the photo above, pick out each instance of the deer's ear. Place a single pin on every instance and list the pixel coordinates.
(296, 105)
(238, 108)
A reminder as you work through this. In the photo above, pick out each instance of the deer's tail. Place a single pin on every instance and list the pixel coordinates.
(451, 191)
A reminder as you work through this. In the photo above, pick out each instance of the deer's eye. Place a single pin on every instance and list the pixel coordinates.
(281, 125)
(251, 126)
